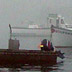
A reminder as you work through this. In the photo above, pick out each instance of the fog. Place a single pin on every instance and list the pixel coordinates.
(24, 12)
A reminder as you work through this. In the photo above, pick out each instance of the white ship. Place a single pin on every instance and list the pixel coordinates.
(31, 31)
(57, 31)
(61, 35)
(30, 37)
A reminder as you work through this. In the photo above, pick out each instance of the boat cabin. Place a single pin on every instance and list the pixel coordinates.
(56, 20)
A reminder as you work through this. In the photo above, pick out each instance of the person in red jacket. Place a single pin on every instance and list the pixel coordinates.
(44, 46)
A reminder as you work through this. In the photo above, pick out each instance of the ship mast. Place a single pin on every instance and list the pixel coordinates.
(10, 31)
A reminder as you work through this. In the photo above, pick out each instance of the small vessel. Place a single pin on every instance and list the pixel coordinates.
(26, 57)
(19, 58)
(61, 33)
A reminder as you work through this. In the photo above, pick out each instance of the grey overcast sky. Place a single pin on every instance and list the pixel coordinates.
(22, 12)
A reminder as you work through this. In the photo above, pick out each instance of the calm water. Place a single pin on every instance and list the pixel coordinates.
(64, 65)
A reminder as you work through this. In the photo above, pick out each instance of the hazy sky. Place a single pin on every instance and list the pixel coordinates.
(22, 12)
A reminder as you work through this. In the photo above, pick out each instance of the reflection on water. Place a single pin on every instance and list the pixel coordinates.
(32, 68)
(29, 69)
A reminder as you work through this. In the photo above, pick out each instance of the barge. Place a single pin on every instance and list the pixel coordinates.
(18, 58)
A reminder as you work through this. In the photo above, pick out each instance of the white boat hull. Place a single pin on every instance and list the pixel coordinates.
(30, 38)
(61, 38)
(28, 32)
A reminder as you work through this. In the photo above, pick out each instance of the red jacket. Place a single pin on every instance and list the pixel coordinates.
(49, 45)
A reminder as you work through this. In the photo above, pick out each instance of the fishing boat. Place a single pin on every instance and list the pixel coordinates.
(61, 33)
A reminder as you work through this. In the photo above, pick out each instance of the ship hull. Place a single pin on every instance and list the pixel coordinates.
(30, 38)
(31, 32)
(18, 58)
(61, 38)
